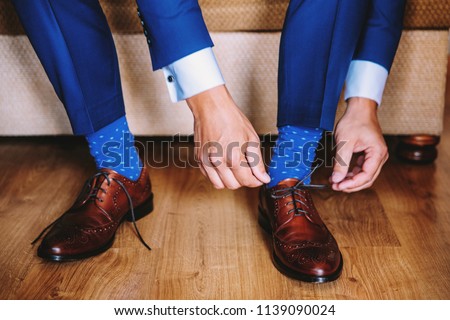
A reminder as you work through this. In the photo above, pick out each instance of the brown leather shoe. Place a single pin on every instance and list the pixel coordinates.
(89, 226)
(303, 248)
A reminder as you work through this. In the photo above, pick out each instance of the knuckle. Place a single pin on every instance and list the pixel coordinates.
(216, 161)
(243, 164)
(235, 159)
(382, 151)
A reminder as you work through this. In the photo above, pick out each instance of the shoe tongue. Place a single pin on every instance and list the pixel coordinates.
(114, 174)
(109, 171)
(290, 182)
(102, 181)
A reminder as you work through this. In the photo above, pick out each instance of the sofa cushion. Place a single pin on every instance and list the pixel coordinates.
(251, 15)
(239, 15)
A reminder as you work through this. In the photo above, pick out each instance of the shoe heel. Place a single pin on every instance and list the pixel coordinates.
(263, 222)
(142, 210)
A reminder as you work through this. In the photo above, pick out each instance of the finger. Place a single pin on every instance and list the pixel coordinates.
(222, 167)
(370, 170)
(207, 167)
(244, 175)
(240, 168)
(352, 173)
(197, 159)
(355, 170)
(202, 170)
(197, 151)
(364, 186)
(255, 161)
(227, 177)
(361, 179)
(369, 184)
(360, 160)
(341, 162)
(210, 172)
(349, 185)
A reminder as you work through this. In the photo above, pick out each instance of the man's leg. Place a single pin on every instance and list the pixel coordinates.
(317, 46)
(74, 43)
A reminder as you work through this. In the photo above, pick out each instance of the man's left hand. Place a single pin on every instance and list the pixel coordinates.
(358, 132)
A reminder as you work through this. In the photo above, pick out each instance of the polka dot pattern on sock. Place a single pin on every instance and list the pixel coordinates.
(113, 147)
(294, 153)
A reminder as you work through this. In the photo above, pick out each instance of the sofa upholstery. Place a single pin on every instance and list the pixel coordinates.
(246, 35)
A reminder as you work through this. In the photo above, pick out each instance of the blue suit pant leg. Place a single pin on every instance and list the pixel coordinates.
(74, 44)
(318, 41)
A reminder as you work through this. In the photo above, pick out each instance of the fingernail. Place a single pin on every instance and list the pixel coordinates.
(266, 177)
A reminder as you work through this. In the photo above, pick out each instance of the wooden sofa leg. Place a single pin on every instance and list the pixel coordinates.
(420, 149)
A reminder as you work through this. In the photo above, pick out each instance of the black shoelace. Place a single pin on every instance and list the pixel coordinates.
(93, 195)
(296, 191)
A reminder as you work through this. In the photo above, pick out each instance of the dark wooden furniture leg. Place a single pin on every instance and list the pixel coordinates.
(420, 149)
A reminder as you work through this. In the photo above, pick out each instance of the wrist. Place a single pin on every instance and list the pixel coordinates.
(208, 100)
(361, 107)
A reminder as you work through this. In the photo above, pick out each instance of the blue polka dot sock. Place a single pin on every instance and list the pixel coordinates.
(294, 153)
(113, 147)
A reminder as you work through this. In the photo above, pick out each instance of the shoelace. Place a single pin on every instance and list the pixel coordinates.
(93, 194)
(296, 191)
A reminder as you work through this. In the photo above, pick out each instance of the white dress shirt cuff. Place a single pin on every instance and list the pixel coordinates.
(192, 75)
(365, 79)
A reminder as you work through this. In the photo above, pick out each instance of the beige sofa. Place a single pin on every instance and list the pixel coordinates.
(246, 35)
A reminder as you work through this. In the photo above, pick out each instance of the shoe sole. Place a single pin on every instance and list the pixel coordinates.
(281, 267)
(139, 212)
(65, 258)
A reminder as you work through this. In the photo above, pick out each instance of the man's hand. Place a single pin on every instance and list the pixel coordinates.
(227, 146)
(358, 131)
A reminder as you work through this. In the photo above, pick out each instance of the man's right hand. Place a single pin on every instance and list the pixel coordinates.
(227, 146)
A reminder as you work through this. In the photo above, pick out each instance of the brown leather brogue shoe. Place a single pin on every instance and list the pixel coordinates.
(89, 226)
(303, 248)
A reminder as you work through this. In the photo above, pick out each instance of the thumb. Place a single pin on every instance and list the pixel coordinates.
(342, 160)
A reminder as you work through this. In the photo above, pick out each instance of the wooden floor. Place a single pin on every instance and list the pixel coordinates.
(395, 237)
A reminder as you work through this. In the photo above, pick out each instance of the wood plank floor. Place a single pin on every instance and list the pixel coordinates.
(207, 244)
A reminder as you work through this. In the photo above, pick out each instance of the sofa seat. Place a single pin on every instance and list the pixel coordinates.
(246, 35)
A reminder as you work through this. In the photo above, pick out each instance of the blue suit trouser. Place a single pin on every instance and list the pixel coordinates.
(320, 38)
(74, 44)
